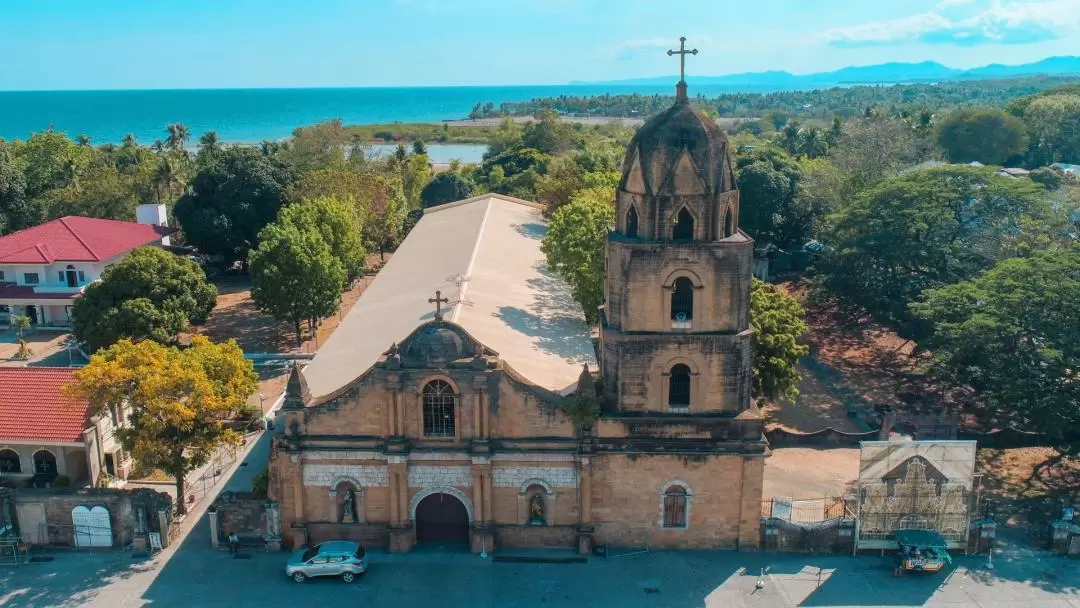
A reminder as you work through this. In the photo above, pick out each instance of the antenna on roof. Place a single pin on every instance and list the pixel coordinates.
(459, 279)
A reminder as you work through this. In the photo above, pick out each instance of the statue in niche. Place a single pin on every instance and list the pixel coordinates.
(536, 511)
(348, 507)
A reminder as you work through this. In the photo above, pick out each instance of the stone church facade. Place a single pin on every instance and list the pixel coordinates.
(468, 427)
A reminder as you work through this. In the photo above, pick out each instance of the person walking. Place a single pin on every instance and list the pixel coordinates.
(234, 543)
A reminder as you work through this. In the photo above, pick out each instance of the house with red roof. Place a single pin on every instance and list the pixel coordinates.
(44, 268)
(46, 433)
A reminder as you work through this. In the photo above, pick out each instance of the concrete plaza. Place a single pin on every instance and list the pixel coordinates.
(195, 576)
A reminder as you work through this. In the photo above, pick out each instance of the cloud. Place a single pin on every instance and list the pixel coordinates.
(1011, 23)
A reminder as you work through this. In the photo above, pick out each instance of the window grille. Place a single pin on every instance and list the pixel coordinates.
(439, 401)
(679, 386)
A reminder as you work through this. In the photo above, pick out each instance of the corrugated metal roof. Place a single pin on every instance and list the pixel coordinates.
(484, 255)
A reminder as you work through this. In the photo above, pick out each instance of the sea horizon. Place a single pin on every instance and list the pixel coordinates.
(252, 115)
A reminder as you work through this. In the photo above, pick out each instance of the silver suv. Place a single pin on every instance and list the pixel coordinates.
(333, 558)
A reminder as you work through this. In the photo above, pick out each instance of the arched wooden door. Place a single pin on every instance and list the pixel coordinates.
(442, 518)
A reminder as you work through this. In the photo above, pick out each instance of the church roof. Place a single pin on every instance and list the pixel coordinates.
(678, 152)
(510, 301)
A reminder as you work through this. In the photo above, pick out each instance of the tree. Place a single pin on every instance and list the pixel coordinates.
(778, 322)
(1010, 334)
(150, 294)
(987, 135)
(768, 182)
(1054, 124)
(446, 188)
(231, 200)
(875, 148)
(319, 146)
(338, 222)
(419, 147)
(1048, 177)
(550, 135)
(49, 161)
(209, 142)
(178, 134)
(415, 174)
(557, 186)
(574, 245)
(926, 229)
(16, 212)
(179, 400)
(295, 276)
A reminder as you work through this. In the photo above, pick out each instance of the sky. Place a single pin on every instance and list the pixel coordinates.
(161, 44)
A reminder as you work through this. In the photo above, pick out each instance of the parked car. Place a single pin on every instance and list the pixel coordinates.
(333, 558)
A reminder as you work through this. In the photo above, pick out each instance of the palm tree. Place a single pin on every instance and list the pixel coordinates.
(129, 141)
(165, 178)
(82, 140)
(209, 141)
(159, 146)
(178, 134)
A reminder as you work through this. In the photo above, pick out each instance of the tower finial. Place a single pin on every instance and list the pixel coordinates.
(680, 88)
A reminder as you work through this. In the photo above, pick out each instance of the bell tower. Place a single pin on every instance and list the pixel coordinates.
(675, 328)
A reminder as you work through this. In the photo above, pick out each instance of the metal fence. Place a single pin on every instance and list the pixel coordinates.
(807, 511)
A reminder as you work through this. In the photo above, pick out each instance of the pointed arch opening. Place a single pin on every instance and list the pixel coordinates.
(679, 386)
(682, 300)
(684, 226)
(632, 223)
(729, 223)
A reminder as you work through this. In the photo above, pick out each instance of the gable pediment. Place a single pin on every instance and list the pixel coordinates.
(635, 178)
(684, 178)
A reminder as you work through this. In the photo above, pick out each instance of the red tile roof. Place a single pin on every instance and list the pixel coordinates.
(33, 406)
(75, 238)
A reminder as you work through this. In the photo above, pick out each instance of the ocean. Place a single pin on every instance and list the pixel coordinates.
(253, 115)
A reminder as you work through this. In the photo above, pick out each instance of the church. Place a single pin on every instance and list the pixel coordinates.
(464, 399)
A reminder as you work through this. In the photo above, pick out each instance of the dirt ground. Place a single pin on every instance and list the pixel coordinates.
(40, 343)
(810, 472)
(235, 316)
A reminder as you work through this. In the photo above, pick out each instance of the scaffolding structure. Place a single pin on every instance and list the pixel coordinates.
(914, 485)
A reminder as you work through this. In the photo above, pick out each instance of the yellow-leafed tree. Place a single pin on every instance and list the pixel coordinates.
(179, 400)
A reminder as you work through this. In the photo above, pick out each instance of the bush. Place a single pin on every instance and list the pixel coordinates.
(61, 481)
(260, 483)
(1049, 178)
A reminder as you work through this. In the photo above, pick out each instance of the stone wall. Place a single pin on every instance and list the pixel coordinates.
(724, 503)
(536, 536)
(240, 512)
(369, 535)
(44, 516)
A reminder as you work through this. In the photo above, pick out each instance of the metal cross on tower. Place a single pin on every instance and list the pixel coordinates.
(438, 301)
(682, 53)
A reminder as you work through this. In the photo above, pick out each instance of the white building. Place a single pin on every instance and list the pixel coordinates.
(44, 268)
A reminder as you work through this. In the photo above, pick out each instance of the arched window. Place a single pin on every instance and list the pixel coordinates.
(631, 222)
(729, 223)
(684, 226)
(676, 500)
(682, 300)
(44, 463)
(439, 400)
(679, 386)
(9, 462)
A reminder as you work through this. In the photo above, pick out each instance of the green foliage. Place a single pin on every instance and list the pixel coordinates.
(1054, 124)
(295, 275)
(150, 294)
(1047, 177)
(574, 245)
(1010, 334)
(260, 483)
(15, 212)
(231, 200)
(177, 135)
(778, 321)
(987, 135)
(549, 134)
(339, 224)
(768, 183)
(581, 409)
(926, 229)
(447, 187)
(318, 147)
(21, 323)
(876, 148)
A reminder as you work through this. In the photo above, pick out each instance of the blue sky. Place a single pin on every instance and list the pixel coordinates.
(118, 44)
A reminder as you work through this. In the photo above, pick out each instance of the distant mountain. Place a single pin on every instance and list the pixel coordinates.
(885, 73)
